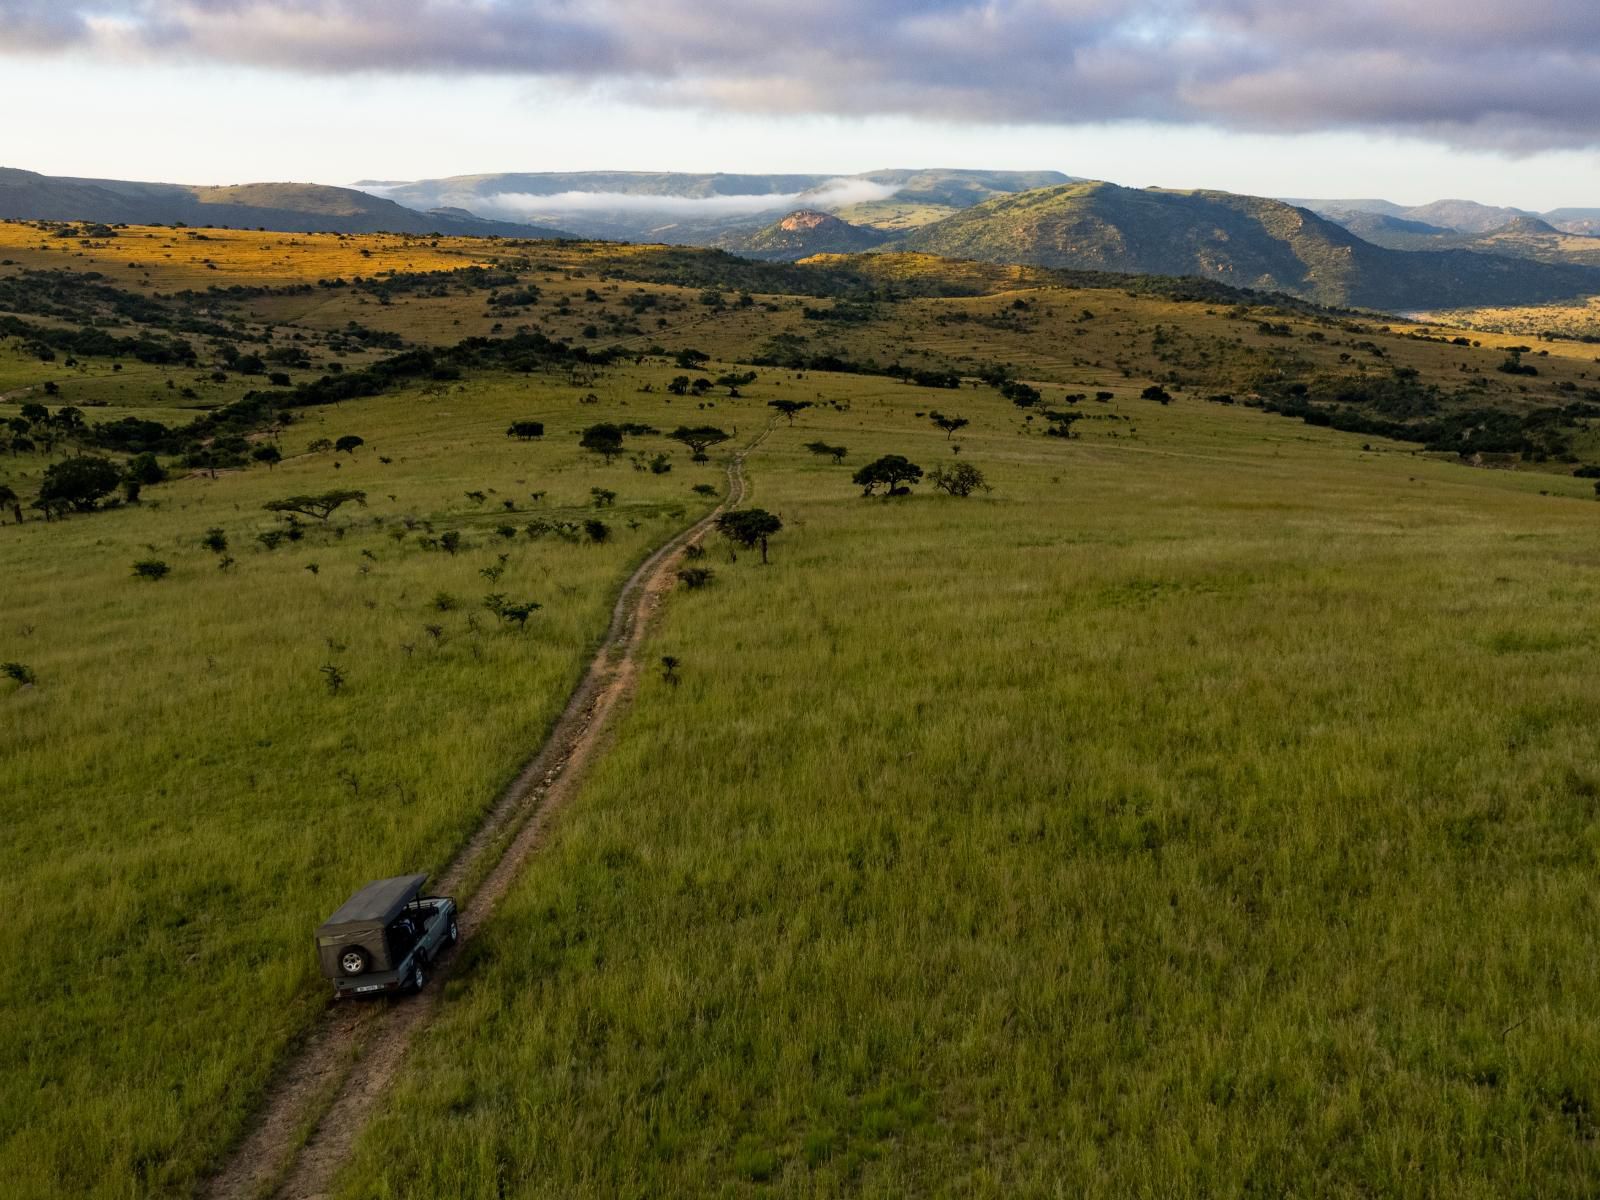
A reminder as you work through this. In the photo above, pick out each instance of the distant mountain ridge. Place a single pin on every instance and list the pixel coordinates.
(705, 209)
(1247, 241)
(287, 207)
(1461, 216)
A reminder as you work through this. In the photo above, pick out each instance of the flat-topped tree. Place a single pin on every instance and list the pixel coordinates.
(789, 408)
(749, 527)
(893, 472)
(349, 443)
(604, 440)
(948, 424)
(699, 438)
(526, 430)
(836, 453)
(321, 506)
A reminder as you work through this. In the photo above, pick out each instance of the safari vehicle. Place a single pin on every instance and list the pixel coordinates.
(386, 937)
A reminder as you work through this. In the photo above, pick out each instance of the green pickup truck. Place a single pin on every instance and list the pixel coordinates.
(386, 937)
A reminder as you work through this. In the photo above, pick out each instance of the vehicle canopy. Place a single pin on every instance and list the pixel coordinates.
(362, 920)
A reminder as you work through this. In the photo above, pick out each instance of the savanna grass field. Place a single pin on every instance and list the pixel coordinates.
(1206, 807)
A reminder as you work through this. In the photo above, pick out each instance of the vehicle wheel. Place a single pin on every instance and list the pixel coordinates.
(418, 976)
(455, 934)
(353, 960)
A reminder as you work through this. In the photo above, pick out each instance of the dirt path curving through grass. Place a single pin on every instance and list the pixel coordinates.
(328, 1089)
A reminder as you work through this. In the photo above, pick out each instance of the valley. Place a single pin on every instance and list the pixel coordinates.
(1071, 806)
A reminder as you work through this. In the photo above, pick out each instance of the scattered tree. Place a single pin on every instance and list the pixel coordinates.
(270, 455)
(321, 507)
(836, 453)
(526, 430)
(749, 527)
(893, 471)
(1020, 394)
(789, 408)
(699, 438)
(349, 444)
(79, 483)
(961, 479)
(10, 499)
(603, 439)
(146, 468)
(948, 424)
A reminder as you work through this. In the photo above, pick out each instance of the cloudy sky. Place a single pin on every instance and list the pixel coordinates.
(1411, 100)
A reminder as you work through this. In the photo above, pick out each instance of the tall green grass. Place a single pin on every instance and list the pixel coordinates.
(1206, 811)
(184, 799)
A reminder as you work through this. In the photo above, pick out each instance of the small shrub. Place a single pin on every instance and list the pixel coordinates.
(150, 568)
(695, 578)
(20, 672)
(960, 480)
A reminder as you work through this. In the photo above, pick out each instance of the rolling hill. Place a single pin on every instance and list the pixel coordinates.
(288, 207)
(1247, 241)
(803, 233)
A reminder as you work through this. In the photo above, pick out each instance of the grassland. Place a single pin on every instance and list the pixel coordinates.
(1206, 811)
(183, 793)
(1203, 810)
(1578, 320)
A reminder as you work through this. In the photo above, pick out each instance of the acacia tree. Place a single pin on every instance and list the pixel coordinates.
(699, 438)
(604, 440)
(349, 443)
(789, 408)
(270, 455)
(836, 453)
(526, 430)
(10, 499)
(749, 527)
(893, 471)
(321, 506)
(948, 424)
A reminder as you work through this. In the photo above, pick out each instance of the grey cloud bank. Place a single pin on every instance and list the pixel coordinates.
(1517, 76)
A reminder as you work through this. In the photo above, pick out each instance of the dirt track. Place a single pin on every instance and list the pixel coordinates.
(326, 1092)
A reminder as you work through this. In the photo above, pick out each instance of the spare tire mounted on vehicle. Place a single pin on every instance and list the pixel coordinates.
(353, 960)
